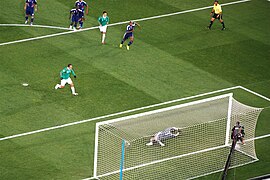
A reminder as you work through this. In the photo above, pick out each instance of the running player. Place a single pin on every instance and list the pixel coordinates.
(74, 16)
(168, 133)
(82, 5)
(129, 34)
(103, 22)
(216, 13)
(30, 7)
(65, 78)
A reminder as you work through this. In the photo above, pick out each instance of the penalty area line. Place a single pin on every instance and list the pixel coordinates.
(119, 23)
(39, 26)
(116, 114)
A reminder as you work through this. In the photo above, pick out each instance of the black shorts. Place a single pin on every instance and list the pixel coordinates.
(217, 16)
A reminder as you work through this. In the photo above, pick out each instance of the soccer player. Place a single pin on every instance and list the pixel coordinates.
(82, 5)
(129, 34)
(103, 23)
(168, 133)
(65, 78)
(74, 16)
(30, 7)
(238, 132)
(216, 13)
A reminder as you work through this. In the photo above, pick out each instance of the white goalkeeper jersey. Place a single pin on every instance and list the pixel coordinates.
(166, 134)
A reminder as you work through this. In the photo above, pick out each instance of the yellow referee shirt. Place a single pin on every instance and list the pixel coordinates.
(217, 9)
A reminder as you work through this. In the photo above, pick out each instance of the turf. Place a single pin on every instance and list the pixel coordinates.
(171, 58)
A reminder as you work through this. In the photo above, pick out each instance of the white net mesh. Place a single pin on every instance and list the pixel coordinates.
(199, 149)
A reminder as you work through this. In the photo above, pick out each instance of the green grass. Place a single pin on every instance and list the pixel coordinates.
(171, 58)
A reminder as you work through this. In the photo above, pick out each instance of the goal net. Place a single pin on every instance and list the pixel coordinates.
(201, 148)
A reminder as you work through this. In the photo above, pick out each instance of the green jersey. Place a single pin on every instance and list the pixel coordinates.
(103, 20)
(65, 73)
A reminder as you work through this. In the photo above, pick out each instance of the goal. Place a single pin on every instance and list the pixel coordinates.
(201, 148)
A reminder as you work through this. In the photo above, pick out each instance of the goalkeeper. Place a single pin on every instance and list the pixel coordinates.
(168, 133)
(238, 132)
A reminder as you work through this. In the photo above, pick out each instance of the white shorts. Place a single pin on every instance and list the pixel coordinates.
(65, 81)
(103, 28)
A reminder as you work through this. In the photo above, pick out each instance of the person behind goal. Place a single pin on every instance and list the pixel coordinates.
(168, 133)
(238, 133)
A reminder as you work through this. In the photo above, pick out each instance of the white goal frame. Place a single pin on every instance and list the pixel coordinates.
(226, 141)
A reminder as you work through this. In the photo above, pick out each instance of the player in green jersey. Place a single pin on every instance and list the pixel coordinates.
(103, 23)
(65, 78)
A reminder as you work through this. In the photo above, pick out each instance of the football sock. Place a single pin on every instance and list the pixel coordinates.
(103, 38)
(211, 23)
(122, 42)
(130, 42)
(223, 25)
(81, 24)
(32, 20)
(73, 90)
(26, 18)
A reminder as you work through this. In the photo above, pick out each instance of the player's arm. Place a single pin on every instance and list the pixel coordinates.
(70, 14)
(25, 5)
(73, 73)
(36, 7)
(137, 24)
(99, 19)
(86, 12)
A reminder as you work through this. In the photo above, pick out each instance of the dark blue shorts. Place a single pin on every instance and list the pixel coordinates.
(75, 19)
(127, 35)
(81, 15)
(30, 11)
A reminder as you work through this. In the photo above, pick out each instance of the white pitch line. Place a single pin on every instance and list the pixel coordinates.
(115, 114)
(39, 26)
(257, 94)
(154, 162)
(118, 23)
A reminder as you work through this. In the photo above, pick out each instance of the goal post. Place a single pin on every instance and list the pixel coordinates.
(201, 148)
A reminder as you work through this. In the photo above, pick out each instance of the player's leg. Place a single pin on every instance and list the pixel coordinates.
(152, 140)
(104, 30)
(212, 21)
(32, 19)
(125, 37)
(61, 85)
(81, 19)
(69, 81)
(26, 16)
(131, 39)
(32, 13)
(222, 22)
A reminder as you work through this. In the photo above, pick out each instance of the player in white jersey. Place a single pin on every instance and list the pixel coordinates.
(168, 133)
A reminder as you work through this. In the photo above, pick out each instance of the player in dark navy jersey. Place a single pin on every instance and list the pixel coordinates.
(129, 34)
(30, 7)
(74, 16)
(82, 5)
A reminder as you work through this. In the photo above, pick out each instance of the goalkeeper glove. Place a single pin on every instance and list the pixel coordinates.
(61, 78)
(75, 76)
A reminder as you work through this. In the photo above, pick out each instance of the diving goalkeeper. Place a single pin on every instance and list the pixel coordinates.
(168, 133)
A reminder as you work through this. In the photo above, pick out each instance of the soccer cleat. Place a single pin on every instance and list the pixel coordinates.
(75, 94)
(121, 45)
(161, 144)
(127, 47)
(208, 27)
(223, 28)
(26, 22)
(70, 27)
(102, 42)
(74, 28)
(149, 144)
(31, 24)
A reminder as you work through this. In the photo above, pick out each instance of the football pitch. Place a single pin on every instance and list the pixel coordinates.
(173, 56)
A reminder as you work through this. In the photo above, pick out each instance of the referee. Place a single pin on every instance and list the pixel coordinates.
(216, 13)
